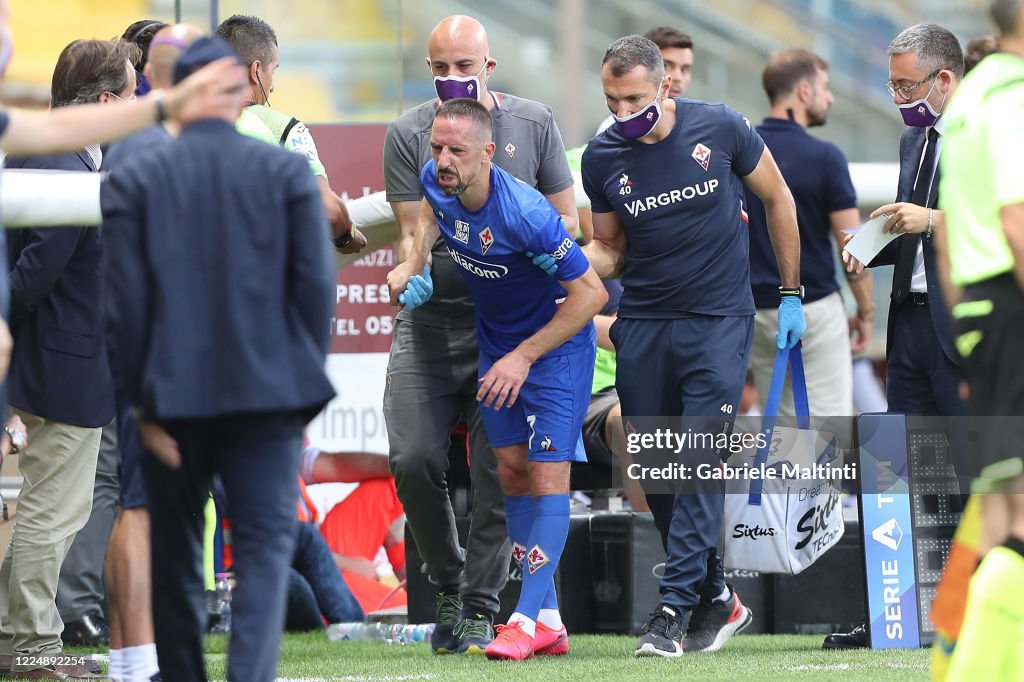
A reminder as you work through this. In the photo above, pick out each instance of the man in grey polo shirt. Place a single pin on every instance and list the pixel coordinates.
(432, 372)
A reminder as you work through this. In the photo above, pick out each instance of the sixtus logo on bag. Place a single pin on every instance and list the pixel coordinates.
(816, 521)
(739, 573)
(741, 530)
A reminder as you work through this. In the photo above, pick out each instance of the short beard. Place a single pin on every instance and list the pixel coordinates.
(455, 191)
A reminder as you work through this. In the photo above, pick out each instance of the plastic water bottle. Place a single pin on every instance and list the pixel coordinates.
(411, 633)
(357, 632)
(399, 633)
(223, 607)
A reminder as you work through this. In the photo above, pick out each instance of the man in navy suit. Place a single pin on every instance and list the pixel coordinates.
(59, 381)
(925, 65)
(221, 280)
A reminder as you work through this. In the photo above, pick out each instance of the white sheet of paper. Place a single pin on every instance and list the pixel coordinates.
(869, 240)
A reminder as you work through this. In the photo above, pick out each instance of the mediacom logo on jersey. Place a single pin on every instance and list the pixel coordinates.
(644, 204)
(476, 267)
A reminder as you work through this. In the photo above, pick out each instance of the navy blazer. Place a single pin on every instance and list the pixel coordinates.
(221, 277)
(911, 148)
(59, 368)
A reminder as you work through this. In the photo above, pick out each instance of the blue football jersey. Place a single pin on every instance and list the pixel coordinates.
(679, 201)
(514, 298)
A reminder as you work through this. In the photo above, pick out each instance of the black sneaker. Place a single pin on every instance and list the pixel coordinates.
(713, 623)
(474, 634)
(90, 630)
(443, 639)
(662, 634)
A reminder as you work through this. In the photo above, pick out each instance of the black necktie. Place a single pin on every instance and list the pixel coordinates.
(927, 172)
(919, 196)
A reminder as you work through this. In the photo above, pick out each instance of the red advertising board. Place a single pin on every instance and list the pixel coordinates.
(364, 316)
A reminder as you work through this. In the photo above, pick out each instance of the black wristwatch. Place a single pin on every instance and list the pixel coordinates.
(344, 240)
(799, 291)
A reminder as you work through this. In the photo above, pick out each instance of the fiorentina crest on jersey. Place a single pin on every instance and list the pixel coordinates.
(462, 231)
(536, 559)
(701, 155)
(486, 240)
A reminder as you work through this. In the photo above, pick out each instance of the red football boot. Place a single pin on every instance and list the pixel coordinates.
(511, 644)
(549, 642)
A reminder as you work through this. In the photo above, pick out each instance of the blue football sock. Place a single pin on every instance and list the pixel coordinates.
(550, 597)
(548, 613)
(543, 551)
(519, 513)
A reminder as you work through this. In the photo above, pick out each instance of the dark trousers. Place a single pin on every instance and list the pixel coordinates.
(432, 383)
(257, 459)
(920, 378)
(694, 367)
(316, 588)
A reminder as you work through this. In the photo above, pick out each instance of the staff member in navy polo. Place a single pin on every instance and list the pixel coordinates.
(818, 175)
(685, 320)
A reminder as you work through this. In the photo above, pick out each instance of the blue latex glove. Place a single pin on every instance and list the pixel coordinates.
(544, 261)
(418, 291)
(791, 322)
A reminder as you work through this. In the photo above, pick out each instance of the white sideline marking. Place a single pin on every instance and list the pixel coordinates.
(850, 666)
(357, 678)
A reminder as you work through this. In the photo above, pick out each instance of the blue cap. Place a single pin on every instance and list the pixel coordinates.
(199, 54)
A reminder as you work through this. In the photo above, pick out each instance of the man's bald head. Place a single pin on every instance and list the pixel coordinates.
(458, 49)
(167, 46)
(458, 31)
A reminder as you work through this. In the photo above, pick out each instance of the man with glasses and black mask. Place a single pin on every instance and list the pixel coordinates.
(926, 64)
(432, 371)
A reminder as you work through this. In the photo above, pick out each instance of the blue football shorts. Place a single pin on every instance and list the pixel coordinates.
(548, 415)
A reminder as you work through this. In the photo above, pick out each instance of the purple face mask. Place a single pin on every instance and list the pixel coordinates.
(635, 126)
(456, 87)
(920, 113)
(143, 84)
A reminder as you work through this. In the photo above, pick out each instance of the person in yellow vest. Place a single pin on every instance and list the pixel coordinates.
(983, 244)
(256, 42)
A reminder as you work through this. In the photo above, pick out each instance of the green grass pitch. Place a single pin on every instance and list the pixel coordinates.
(778, 658)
